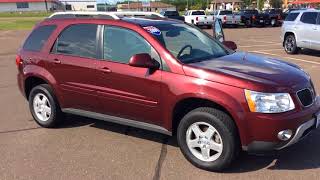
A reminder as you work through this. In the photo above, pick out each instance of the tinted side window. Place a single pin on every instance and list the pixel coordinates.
(38, 38)
(198, 13)
(291, 17)
(309, 17)
(77, 40)
(120, 45)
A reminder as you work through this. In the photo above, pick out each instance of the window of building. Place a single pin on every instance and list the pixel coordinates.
(90, 6)
(22, 5)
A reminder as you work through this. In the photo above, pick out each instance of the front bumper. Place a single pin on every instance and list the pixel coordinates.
(302, 131)
(264, 131)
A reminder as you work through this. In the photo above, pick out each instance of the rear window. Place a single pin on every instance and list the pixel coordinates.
(225, 12)
(198, 13)
(291, 17)
(38, 38)
(171, 13)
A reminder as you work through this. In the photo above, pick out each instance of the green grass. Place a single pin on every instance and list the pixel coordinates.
(19, 23)
(20, 20)
(25, 14)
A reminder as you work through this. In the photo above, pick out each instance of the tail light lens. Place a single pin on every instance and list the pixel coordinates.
(224, 18)
(18, 60)
(254, 17)
(197, 18)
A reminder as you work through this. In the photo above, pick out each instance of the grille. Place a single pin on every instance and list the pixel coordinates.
(305, 96)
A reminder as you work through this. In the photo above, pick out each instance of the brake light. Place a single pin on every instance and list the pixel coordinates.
(279, 17)
(224, 18)
(18, 60)
(254, 17)
(197, 18)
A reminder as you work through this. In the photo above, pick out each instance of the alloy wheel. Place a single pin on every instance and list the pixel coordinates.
(42, 107)
(204, 141)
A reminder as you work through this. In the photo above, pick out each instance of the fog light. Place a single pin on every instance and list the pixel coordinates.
(285, 135)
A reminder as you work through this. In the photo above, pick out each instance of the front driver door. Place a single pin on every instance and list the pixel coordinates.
(125, 91)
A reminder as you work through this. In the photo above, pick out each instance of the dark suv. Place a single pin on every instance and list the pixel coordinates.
(166, 76)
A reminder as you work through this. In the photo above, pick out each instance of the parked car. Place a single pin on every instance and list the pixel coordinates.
(198, 18)
(172, 15)
(274, 16)
(301, 29)
(286, 12)
(252, 17)
(168, 77)
(227, 17)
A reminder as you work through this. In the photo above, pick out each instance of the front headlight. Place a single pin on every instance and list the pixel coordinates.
(269, 102)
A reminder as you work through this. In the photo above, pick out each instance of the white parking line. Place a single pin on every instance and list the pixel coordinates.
(261, 45)
(262, 41)
(296, 59)
(267, 50)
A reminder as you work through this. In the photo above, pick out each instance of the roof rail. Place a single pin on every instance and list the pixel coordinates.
(103, 15)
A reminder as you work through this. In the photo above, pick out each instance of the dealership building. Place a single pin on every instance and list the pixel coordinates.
(29, 5)
(47, 5)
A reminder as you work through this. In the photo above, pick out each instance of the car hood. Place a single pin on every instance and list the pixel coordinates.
(251, 70)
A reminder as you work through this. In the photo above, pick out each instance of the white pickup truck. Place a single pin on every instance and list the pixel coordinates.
(227, 17)
(198, 18)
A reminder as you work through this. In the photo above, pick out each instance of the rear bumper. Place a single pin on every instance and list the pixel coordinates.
(20, 81)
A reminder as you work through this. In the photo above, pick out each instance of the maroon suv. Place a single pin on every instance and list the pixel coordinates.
(166, 76)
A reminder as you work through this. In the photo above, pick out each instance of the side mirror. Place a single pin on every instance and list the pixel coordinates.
(217, 30)
(230, 44)
(144, 60)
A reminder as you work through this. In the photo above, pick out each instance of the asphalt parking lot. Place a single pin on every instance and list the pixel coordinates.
(88, 149)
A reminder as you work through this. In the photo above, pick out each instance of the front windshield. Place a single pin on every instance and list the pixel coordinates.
(188, 44)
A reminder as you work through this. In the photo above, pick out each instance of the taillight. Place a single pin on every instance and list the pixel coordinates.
(197, 18)
(253, 17)
(279, 17)
(18, 60)
(224, 18)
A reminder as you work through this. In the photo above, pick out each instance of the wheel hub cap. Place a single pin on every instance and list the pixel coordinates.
(42, 107)
(204, 141)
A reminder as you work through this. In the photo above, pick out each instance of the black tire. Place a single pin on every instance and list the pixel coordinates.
(56, 115)
(248, 23)
(226, 129)
(290, 44)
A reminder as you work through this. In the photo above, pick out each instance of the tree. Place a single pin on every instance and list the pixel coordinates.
(276, 3)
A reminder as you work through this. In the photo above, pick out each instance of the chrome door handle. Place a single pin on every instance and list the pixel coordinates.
(106, 70)
(57, 61)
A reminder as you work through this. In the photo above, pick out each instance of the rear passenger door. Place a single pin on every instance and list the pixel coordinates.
(307, 29)
(316, 42)
(73, 60)
(126, 91)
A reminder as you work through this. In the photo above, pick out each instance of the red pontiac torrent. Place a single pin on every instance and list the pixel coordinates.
(166, 76)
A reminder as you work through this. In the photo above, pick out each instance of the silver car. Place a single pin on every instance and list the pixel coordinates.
(301, 29)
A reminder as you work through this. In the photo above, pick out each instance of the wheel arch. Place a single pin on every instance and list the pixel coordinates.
(185, 105)
(33, 79)
(287, 34)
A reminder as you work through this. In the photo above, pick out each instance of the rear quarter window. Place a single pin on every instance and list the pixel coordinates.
(291, 17)
(38, 38)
